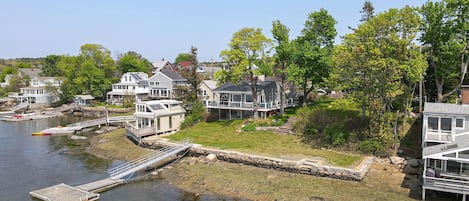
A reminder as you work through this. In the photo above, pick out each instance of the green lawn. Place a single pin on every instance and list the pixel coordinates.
(227, 135)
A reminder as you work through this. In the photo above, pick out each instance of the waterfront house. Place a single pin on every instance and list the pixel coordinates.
(445, 143)
(43, 90)
(161, 65)
(154, 118)
(133, 86)
(164, 84)
(236, 100)
(83, 100)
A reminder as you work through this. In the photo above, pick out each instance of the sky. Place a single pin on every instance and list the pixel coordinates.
(158, 29)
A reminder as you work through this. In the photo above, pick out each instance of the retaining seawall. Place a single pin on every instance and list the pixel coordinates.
(303, 166)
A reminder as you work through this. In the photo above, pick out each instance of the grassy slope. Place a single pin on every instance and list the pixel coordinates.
(227, 135)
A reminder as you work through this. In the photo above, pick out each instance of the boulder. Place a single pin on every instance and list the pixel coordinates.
(211, 157)
(396, 160)
(413, 162)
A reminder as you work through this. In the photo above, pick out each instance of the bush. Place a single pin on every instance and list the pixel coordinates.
(336, 136)
(249, 127)
(374, 147)
(197, 114)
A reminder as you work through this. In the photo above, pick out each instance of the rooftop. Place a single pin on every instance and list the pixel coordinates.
(244, 86)
(446, 108)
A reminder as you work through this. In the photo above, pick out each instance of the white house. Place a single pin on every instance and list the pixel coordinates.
(154, 118)
(39, 90)
(164, 83)
(133, 85)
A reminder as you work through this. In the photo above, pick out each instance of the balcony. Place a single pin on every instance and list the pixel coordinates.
(439, 135)
(139, 132)
(446, 184)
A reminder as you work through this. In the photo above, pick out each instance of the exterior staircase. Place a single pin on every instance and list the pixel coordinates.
(285, 129)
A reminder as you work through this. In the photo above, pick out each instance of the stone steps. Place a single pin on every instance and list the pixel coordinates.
(286, 128)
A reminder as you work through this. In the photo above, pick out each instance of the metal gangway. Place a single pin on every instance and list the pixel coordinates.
(148, 160)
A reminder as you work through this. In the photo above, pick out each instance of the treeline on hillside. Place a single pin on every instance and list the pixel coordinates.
(380, 64)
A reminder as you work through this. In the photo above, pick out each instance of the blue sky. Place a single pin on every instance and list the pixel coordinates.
(154, 28)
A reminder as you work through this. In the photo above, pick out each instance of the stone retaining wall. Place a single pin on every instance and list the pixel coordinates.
(303, 166)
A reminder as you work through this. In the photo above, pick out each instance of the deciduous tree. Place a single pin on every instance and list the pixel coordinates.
(283, 54)
(312, 52)
(247, 57)
(445, 32)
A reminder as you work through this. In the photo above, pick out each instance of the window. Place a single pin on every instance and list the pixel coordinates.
(157, 83)
(460, 123)
(433, 123)
(445, 124)
(164, 93)
(205, 92)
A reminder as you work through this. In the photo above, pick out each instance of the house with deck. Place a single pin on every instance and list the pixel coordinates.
(154, 118)
(165, 84)
(445, 143)
(41, 90)
(236, 100)
(132, 86)
(83, 100)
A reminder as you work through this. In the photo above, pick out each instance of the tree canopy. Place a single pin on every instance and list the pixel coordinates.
(248, 58)
(133, 62)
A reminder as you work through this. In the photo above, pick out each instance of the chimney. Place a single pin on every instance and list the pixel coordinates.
(162, 59)
(465, 94)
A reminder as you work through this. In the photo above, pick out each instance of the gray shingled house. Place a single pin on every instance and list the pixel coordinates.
(445, 143)
(236, 100)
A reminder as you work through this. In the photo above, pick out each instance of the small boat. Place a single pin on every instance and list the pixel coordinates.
(41, 133)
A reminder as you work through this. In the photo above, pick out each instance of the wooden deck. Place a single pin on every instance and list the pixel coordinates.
(101, 185)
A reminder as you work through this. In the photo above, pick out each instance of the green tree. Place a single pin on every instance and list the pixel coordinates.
(50, 66)
(281, 33)
(445, 28)
(183, 57)
(247, 57)
(193, 78)
(381, 61)
(368, 11)
(312, 52)
(91, 72)
(133, 62)
(24, 65)
(7, 70)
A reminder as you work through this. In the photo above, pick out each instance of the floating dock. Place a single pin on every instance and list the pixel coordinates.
(64, 192)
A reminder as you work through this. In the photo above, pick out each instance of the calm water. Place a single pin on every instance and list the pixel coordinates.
(30, 163)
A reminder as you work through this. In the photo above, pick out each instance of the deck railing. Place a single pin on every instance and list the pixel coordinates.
(446, 184)
(139, 132)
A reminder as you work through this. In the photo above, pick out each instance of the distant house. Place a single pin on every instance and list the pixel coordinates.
(208, 71)
(83, 100)
(184, 65)
(154, 118)
(164, 84)
(236, 100)
(40, 90)
(162, 65)
(7, 80)
(445, 143)
(206, 88)
(133, 85)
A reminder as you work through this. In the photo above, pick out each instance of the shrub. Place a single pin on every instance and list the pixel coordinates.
(373, 147)
(336, 136)
(197, 114)
(249, 127)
